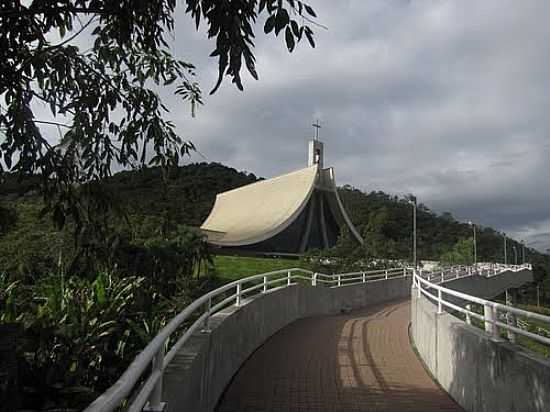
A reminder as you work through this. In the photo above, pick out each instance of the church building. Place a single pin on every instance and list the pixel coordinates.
(291, 213)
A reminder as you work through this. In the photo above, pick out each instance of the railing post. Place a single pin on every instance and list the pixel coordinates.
(510, 317)
(206, 327)
(386, 273)
(314, 280)
(439, 309)
(364, 277)
(339, 280)
(155, 403)
(442, 277)
(468, 317)
(265, 284)
(288, 279)
(489, 316)
(419, 285)
(404, 272)
(238, 300)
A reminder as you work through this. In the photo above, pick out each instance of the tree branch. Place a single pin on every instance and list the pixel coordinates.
(55, 46)
(51, 123)
(75, 10)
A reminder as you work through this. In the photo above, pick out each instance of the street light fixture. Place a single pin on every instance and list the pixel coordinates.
(475, 246)
(413, 203)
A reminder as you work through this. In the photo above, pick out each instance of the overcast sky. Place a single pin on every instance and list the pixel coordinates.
(448, 100)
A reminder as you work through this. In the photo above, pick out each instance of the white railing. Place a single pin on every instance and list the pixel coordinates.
(486, 270)
(154, 357)
(429, 286)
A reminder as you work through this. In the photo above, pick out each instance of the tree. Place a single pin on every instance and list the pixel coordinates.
(460, 254)
(103, 99)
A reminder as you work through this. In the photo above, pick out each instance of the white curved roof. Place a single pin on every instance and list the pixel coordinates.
(259, 211)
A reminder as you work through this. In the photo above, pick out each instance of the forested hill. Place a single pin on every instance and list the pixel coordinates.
(152, 198)
(185, 195)
(386, 223)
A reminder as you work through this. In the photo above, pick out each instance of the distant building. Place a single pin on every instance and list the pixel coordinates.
(291, 213)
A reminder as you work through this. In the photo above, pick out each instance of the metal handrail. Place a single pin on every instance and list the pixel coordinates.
(427, 283)
(154, 353)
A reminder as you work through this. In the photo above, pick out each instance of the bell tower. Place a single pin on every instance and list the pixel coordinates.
(315, 150)
(315, 153)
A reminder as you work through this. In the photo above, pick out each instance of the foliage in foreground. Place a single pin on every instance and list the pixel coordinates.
(78, 335)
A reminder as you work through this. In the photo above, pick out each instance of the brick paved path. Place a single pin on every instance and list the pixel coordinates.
(360, 361)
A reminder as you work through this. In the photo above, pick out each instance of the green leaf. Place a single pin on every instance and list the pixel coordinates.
(309, 35)
(269, 25)
(289, 39)
(310, 11)
(282, 19)
(295, 28)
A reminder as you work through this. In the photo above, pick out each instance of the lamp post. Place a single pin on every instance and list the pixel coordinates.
(413, 203)
(475, 246)
(505, 258)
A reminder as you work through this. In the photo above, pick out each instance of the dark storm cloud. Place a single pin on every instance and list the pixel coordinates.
(444, 99)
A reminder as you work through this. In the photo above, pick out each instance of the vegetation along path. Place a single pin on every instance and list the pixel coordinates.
(361, 361)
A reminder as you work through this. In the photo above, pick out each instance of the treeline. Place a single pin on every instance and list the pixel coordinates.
(149, 207)
(157, 201)
(386, 224)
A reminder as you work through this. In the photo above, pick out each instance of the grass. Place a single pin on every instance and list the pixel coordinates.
(533, 345)
(231, 268)
(521, 340)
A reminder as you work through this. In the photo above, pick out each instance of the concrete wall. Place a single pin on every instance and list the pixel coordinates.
(202, 369)
(479, 372)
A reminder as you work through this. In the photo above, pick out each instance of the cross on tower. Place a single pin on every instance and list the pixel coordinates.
(317, 127)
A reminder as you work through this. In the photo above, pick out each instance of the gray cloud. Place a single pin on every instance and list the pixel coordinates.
(444, 99)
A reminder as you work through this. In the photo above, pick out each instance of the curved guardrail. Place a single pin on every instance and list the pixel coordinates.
(429, 285)
(154, 357)
(487, 270)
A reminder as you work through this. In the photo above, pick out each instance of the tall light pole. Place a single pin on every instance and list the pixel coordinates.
(413, 203)
(515, 255)
(475, 246)
(505, 258)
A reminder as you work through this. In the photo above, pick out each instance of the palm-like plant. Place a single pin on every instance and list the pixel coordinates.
(78, 336)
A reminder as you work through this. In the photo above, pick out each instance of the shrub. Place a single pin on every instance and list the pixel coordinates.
(78, 335)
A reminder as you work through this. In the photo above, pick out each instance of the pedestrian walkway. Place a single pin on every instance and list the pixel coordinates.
(361, 361)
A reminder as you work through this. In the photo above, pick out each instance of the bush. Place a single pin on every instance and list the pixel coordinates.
(77, 336)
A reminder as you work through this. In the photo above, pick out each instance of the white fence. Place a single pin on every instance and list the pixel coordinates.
(153, 359)
(428, 284)
(147, 369)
